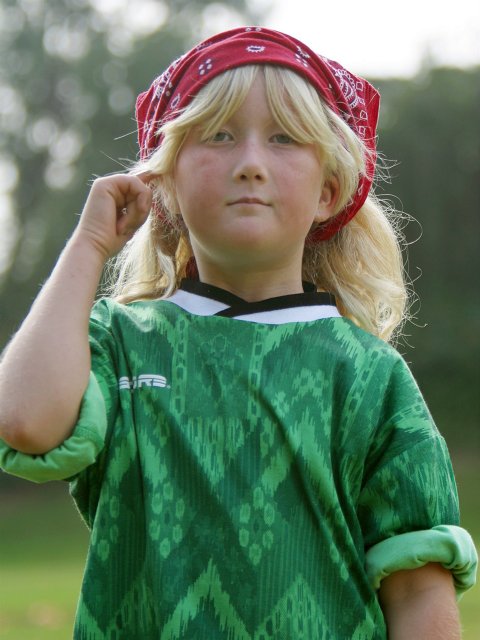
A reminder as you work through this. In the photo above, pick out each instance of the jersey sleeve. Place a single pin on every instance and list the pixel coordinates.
(408, 506)
(82, 448)
(451, 546)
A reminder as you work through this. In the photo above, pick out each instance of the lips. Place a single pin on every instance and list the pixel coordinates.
(248, 200)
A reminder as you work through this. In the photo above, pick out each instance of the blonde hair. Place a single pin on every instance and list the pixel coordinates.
(361, 265)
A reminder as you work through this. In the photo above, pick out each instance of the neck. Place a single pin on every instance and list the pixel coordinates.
(253, 286)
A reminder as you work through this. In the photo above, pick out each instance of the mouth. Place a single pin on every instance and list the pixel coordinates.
(248, 200)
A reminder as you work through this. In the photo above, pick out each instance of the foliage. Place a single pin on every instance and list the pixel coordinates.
(430, 126)
(69, 74)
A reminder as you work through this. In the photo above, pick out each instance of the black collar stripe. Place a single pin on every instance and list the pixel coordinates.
(209, 291)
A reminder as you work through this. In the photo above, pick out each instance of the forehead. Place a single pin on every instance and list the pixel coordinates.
(258, 91)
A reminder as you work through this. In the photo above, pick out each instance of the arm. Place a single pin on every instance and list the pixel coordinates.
(45, 369)
(420, 604)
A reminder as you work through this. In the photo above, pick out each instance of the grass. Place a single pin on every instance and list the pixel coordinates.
(468, 479)
(39, 602)
(42, 549)
(43, 545)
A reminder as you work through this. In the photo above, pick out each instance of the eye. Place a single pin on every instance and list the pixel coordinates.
(282, 138)
(220, 136)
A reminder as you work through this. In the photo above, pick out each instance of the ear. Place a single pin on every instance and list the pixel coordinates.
(328, 200)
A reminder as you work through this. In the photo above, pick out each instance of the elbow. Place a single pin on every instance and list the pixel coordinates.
(34, 428)
(25, 438)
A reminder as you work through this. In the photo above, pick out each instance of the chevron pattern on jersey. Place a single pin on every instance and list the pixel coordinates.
(237, 501)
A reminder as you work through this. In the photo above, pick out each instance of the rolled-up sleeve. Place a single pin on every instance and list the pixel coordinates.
(408, 506)
(448, 545)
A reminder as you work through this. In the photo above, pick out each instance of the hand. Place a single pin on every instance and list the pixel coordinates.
(115, 208)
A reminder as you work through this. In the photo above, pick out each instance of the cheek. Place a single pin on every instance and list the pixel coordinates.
(195, 166)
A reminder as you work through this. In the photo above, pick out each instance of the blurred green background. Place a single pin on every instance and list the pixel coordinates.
(69, 74)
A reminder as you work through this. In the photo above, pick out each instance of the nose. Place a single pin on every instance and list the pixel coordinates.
(250, 162)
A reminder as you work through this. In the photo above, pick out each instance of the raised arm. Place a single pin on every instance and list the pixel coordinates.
(44, 370)
(420, 604)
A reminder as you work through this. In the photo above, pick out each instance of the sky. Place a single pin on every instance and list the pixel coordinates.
(381, 38)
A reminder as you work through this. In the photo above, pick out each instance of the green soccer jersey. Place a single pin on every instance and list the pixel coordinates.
(249, 471)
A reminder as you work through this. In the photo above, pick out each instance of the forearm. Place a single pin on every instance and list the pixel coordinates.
(424, 619)
(45, 368)
(420, 605)
(44, 371)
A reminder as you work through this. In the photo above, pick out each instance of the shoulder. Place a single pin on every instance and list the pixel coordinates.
(362, 349)
(385, 392)
(376, 374)
(142, 313)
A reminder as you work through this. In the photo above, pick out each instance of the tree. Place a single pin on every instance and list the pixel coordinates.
(430, 126)
(70, 72)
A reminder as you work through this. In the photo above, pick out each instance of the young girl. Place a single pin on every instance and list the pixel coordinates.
(252, 457)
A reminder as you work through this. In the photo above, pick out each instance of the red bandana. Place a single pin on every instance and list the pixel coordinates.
(351, 97)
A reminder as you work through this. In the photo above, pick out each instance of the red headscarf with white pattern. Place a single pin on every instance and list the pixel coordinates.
(351, 97)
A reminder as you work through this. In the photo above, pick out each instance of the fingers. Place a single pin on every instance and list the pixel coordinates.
(127, 193)
(116, 207)
(145, 176)
(134, 209)
(136, 203)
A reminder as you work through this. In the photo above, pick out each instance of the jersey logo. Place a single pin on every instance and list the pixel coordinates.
(144, 380)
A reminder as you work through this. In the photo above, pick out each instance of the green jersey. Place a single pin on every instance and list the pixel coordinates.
(251, 471)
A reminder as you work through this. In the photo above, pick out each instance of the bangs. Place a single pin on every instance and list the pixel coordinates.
(296, 106)
(215, 103)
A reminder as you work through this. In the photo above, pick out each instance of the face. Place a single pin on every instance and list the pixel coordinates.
(249, 194)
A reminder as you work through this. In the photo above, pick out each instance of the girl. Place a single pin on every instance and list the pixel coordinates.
(252, 457)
